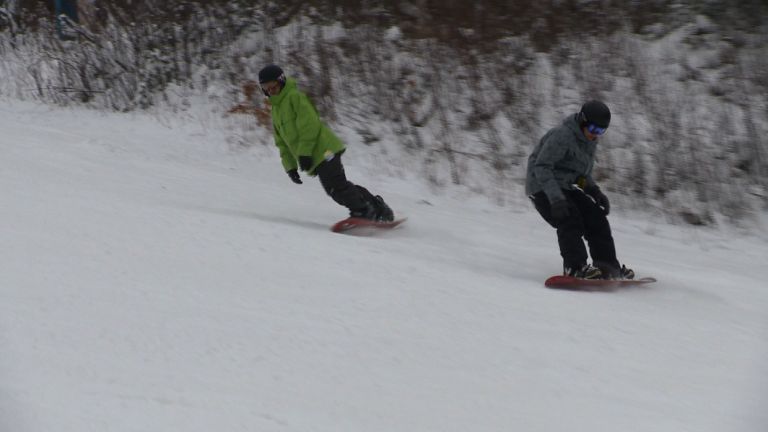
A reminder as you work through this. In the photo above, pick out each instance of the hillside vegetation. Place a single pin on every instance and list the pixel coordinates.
(456, 91)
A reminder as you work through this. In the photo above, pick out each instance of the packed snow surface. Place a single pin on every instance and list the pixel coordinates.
(155, 279)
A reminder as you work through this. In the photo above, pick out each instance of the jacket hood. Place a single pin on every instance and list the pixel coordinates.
(572, 123)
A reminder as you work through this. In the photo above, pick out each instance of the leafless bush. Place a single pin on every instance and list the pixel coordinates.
(467, 88)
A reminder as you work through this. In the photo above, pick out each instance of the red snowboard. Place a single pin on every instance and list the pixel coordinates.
(576, 284)
(357, 225)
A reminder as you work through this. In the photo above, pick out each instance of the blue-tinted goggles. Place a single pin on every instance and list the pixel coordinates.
(596, 130)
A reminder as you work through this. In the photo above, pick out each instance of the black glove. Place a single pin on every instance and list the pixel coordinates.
(294, 175)
(305, 162)
(559, 210)
(600, 198)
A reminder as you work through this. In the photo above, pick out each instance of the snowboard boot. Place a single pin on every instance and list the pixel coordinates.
(626, 273)
(367, 212)
(383, 212)
(616, 273)
(375, 210)
(587, 271)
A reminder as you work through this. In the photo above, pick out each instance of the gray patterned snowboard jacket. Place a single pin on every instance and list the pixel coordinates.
(563, 159)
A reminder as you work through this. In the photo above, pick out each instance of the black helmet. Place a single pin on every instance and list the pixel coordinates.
(594, 112)
(271, 73)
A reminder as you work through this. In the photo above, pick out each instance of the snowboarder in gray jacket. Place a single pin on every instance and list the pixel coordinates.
(560, 184)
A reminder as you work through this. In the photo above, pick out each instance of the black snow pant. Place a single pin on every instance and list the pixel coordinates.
(586, 221)
(337, 186)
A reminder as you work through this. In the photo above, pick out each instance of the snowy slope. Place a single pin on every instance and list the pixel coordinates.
(153, 280)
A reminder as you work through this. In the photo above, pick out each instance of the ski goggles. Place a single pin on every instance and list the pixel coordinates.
(595, 129)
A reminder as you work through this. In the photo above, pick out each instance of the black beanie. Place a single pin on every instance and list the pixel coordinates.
(271, 73)
(596, 113)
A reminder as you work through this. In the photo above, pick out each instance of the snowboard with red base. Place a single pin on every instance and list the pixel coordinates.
(360, 225)
(576, 284)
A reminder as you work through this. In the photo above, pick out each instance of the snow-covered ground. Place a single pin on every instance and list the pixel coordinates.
(151, 279)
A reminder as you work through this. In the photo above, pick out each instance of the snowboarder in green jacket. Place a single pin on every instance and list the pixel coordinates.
(307, 144)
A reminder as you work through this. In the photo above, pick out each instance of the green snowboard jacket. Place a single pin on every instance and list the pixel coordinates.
(299, 130)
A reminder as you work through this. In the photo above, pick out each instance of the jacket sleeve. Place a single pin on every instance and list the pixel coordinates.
(289, 162)
(552, 151)
(307, 124)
